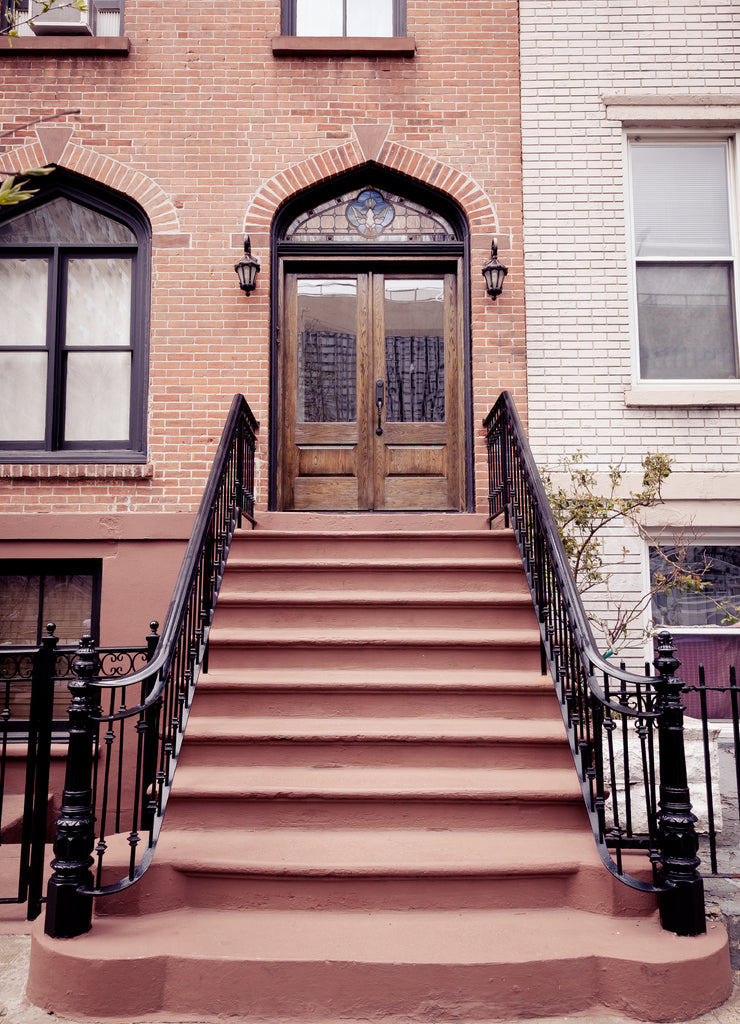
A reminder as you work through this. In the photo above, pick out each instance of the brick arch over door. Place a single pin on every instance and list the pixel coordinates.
(393, 156)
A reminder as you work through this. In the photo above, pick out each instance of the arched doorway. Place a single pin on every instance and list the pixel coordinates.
(371, 354)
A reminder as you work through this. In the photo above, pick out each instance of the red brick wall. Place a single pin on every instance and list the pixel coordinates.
(210, 132)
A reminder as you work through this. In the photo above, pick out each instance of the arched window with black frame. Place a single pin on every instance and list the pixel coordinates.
(75, 280)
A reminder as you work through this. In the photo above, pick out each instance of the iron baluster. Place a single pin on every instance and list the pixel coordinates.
(735, 731)
(707, 770)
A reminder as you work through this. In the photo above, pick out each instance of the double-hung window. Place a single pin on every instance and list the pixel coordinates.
(373, 18)
(684, 253)
(74, 276)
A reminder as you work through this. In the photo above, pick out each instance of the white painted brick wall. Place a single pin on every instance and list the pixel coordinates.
(578, 319)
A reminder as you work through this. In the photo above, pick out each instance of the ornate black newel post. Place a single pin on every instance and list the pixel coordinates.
(682, 904)
(69, 912)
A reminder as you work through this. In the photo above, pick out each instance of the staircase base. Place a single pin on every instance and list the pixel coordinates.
(421, 966)
(375, 815)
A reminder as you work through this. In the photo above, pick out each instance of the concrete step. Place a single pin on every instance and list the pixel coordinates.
(450, 575)
(396, 648)
(415, 545)
(396, 966)
(393, 742)
(362, 797)
(374, 522)
(369, 690)
(353, 869)
(375, 612)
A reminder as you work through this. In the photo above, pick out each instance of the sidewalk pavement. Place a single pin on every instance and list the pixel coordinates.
(15, 1008)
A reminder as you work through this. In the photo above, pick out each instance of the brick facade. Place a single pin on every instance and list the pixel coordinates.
(209, 132)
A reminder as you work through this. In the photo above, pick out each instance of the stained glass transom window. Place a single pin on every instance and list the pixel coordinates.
(370, 215)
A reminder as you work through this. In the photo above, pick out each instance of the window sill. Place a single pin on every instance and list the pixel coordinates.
(65, 46)
(344, 46)
(75, 471)
(680, 394)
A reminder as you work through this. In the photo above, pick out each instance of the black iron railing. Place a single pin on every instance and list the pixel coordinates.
(625, 730)
(713, 711)
(33, 703)
(125, 737)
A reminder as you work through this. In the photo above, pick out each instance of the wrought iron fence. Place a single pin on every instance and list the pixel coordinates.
(625, 730)
(717, 789)
(33, 701)
(125, 737)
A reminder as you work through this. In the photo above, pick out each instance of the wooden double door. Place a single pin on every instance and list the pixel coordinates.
(370, 405)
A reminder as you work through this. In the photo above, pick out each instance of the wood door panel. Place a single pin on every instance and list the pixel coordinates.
(415, 460)
(339, 460)
(325, 494)
(326, 433)
(418, 494)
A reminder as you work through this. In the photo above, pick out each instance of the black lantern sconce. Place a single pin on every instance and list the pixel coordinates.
(247, 269)
(494, 273)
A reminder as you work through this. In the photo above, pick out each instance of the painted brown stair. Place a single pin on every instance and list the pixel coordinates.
(375, 814)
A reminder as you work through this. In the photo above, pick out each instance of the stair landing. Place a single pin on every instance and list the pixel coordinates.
(375, 815)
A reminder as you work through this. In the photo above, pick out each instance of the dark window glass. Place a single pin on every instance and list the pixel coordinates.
(32, 594)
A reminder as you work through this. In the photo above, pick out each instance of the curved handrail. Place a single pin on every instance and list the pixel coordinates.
(132, 770)
(176, 612)
(581, 625)
(597, 698)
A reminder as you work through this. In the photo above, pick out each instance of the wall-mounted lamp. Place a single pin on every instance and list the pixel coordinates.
(247, 268)
(494, 273)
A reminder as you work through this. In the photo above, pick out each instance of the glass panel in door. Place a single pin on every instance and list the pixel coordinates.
(324, 451)
(327, 350)
(414, 350)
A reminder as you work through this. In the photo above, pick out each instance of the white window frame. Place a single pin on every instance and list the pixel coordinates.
(680, 390)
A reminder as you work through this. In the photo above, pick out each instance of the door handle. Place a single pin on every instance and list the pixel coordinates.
(379, 401)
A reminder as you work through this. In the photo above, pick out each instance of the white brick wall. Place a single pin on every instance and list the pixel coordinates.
(578, 316)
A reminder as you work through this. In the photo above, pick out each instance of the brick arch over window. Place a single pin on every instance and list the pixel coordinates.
(102, 169)
(393, 156)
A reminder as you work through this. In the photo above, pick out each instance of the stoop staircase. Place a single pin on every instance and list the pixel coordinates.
(375, 814)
